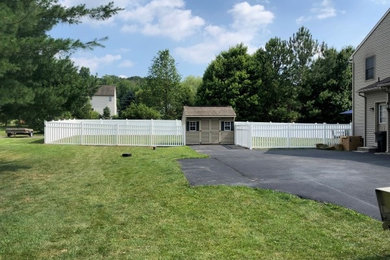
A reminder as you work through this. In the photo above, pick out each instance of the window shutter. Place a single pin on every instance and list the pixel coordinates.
(232, 125)
(188, 126)
(197, 125)
(222, 126)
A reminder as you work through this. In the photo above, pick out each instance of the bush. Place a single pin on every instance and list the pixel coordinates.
(106, 113)
(140, 111)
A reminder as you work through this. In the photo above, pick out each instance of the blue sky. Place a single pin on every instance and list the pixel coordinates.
(195, 31)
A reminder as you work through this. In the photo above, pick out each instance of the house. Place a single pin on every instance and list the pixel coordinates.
(209, 125)
(105, 97)
(371, 84)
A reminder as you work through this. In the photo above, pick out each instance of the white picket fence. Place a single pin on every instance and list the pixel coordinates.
(288, 135)
(116, 132)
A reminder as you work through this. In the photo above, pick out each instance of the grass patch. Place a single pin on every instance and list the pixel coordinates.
(136, 140)
(279, 142)
(88, 202)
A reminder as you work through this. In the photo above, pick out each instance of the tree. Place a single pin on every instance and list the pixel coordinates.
(281, 101)
(106, 113)
(329, 81)
(125, 88)
(162, 89)
(140, 111)
(126, 99)
(228, 81)
(286, 81)
(37, 79)
(189, 88)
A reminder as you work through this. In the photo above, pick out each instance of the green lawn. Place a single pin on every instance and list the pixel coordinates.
(59, 201)
(275, 142)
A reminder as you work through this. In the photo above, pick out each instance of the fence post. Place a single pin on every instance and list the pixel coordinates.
(288, 135)
(117, 134)
(250, 136)
(82, 133)
(184, 134)
(324, 133)
(45, 133)
(151, 132)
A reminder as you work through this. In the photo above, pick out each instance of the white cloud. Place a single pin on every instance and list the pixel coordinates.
(215, 40)
(123, 76)
(250, 17)
(320, 11)
(95, 3)
(325, 10)
(302, 19)
(162, 17)
(126, 64)
(248, 22)
(94, 62)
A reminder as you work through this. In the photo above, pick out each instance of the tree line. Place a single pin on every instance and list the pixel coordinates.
(294, 80)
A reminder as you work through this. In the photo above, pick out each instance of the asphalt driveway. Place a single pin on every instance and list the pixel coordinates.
(348, 179)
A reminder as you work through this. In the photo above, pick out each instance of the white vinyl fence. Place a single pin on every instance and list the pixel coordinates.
(116, 132)
(287, 135)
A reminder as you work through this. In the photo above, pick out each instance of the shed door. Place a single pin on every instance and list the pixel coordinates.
(209, 131)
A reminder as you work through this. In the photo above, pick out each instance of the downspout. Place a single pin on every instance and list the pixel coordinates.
(365, 117)
(386, 89)
(353, 93)
(388, 121)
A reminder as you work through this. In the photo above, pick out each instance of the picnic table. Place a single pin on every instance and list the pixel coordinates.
(19, 131)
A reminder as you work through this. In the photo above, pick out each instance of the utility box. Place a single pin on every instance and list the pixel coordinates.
(351, 143)
(383, 197)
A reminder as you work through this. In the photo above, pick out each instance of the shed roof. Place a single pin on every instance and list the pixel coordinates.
(226, 111)
(106, 90)
(384, 83)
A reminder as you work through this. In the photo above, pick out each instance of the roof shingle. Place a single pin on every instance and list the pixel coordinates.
(226, 111)
(376, 86)
(106, 90)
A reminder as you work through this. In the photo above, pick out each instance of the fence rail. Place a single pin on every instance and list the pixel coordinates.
(288, 135)
(115, 132)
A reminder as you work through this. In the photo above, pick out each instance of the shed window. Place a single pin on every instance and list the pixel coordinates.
(382, 113)
(370, 67)
(192, 126)
(227, 126)
(109, 99)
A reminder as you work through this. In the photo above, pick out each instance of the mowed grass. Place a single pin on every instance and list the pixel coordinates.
(60, 201)
(275, 142)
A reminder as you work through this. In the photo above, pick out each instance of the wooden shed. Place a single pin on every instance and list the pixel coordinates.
(209, 125)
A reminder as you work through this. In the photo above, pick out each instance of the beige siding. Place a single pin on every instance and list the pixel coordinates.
(227, 137)
(193, 137)
(373, 99)
(377, 44)
(210, 132)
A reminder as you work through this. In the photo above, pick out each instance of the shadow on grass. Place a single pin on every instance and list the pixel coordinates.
(37, 141)
(12, 166)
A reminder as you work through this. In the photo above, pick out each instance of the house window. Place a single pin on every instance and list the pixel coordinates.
(370, 67)
(382, 113)
(227, 126)
(193, 126)
(109, 99)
